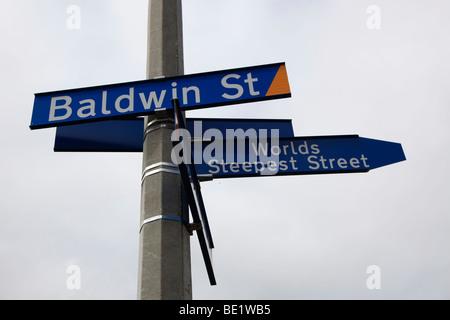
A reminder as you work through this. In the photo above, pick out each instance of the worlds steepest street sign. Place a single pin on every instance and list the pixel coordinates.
(295, 156)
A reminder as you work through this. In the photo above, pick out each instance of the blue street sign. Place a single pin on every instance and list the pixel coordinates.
(295, 156)
(121, 135)
(204, 90)
(126, 135)
(199, 126)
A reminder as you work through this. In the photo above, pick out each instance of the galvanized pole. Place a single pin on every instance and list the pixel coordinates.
(164, 247)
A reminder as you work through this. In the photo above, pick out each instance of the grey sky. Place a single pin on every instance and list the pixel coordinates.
(293, 237)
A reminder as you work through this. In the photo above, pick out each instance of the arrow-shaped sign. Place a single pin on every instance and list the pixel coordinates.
(296, 156)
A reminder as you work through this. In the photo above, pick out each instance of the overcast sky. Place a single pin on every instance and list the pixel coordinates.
(296, 237)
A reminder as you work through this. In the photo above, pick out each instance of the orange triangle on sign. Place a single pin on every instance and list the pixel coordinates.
(280, 84)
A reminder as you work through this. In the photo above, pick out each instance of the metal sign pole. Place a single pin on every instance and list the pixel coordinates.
(164, 246)
(194, 196)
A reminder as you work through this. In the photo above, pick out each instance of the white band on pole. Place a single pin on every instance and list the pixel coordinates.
(161, 217)
(159, 167)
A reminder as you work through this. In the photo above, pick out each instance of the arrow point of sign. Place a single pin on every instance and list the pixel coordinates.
(280, 84)
(383, 153)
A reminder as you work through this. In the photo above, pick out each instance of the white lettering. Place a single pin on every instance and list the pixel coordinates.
(215, 147)
(174, 90)
(274, 158)
(354, 163)
(239, 88)
(247, 166)
(261, 166)
(74, 280)
(234, 167)
(283, 165)
(311, 160)
(65, 106)
(241, 137)
(364, 159)
(293, 149)
(241, 309)
(213, 163)
(276, 150)
(198, 142)
(130, 98)
(152, 98)
(250, 82)
(374, 280)
(374, 20)
(181, 152)
(224, 170)
(315, 149)
(74, 20)
(342, 163)
(90, 108)
(273, 166)
(293, 162)
(207, 311)
(260, 150)
(104, 96)
(303, 148)
(324, 163)
(196, 91)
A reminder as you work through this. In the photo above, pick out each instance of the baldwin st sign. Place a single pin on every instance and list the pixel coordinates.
(195, 91)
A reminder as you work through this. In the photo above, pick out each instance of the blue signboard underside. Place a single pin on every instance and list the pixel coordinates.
(126, 135)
